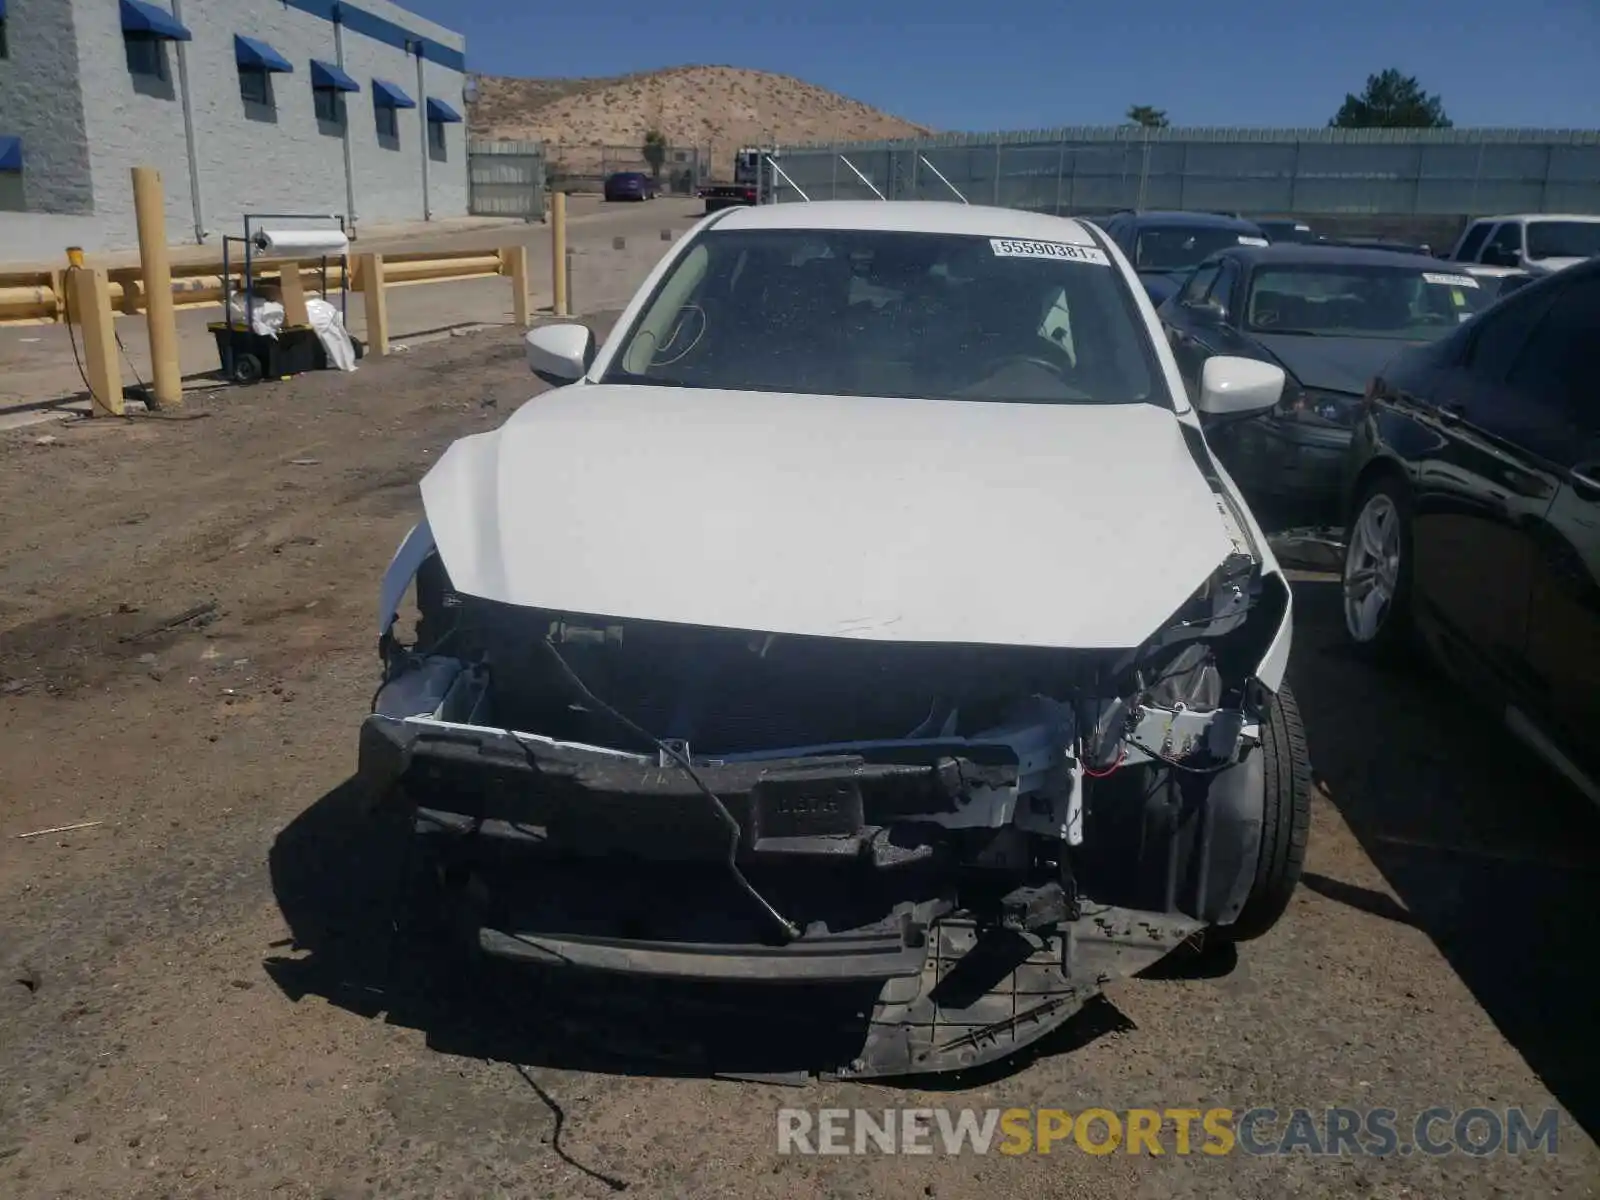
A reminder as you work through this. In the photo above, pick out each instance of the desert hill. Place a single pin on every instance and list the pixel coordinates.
(716, 109)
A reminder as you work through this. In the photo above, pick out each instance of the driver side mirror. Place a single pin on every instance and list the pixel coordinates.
(1238, 387)
(560, 354)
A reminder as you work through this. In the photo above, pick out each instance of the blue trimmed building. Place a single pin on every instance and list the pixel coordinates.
(350, 106)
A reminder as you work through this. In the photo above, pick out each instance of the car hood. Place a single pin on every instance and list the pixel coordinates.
(1052, 525)
(1549, 266)
(1332, 364)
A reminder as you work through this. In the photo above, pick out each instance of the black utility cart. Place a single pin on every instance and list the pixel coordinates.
(248, 356)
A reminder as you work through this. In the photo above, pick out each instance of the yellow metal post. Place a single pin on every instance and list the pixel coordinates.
(376, 306)
(558, 251)
(151, 215)
(90, 300)
(514, 262)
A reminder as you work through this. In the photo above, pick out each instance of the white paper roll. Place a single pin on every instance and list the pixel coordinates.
(301, 243)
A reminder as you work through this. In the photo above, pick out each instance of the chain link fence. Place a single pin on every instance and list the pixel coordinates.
(584, 168)
(1261, 172)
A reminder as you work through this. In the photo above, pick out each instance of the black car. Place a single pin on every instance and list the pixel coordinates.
(1330, 317)
(1285, 230)
(630, 185)
(1474, 514)
(1164, 246)
(1393, 245)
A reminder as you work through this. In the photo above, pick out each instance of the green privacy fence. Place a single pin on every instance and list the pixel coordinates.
(1253, 171)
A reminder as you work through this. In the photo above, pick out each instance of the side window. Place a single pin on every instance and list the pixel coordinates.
(1508, 237)
(1224, 291)
(1560, 360)
(1194, 292)
(1473, 242)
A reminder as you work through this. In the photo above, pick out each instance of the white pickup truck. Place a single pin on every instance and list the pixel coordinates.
(1538, 243)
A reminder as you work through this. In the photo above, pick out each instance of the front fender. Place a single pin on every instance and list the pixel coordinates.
(403, 567)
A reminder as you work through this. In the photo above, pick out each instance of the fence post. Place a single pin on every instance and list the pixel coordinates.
(377, 307)
(997, 147)
(558, 252)
(514, 262)
(151, 217)
(90, 294)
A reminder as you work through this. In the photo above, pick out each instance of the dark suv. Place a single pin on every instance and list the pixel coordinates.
(1165, 246)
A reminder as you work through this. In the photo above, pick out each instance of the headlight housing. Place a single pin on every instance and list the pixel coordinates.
(1310, 406)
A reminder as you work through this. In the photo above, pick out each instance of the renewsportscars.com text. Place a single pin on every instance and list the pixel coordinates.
(1214, 1132)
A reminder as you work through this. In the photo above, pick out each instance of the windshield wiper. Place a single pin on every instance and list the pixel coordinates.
(1273, 329)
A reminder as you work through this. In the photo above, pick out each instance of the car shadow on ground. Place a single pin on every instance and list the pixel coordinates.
(1491, 855)
(362, 938)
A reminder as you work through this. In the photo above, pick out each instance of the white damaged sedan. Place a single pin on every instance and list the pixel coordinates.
(869, 613)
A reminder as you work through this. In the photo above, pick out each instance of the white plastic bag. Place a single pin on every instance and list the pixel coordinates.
(266, 316)
(335, 339)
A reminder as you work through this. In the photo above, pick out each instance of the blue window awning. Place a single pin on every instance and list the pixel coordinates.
(328, 77)
(258, 56)
(387, 95)
(439, 111)
(10, 152)
(140, 16)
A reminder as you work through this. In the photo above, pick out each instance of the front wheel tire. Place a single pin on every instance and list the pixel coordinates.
(1285, 820)
(1376, 582)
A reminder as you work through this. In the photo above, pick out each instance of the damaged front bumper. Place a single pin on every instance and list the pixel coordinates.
(944, 875)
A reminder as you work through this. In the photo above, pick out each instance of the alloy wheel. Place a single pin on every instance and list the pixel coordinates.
(1372, 568)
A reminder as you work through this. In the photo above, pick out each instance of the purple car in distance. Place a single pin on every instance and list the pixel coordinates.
(630, 185)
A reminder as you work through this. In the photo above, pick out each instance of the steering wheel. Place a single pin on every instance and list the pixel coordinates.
(994, 366)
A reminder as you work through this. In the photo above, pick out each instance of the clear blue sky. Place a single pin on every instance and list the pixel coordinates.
(992, 64)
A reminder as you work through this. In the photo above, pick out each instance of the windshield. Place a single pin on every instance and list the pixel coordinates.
(1563, 239)
(1179, 247)
(1404, 303)
(876, 313)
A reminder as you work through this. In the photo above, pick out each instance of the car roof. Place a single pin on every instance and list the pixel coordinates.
(909, 216)
(1197, 220)
(1587, 218)
(1310, 254)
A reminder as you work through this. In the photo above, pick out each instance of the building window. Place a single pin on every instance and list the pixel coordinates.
(329, 108)
(436, 141)
(388, 121)
(5, 47)
(147, 55)
(255, 87)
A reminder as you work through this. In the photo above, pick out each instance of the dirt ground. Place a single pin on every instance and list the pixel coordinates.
(200, 995)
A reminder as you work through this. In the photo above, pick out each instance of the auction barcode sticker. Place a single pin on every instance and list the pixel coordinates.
(1450, 280)
(1012, 248)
